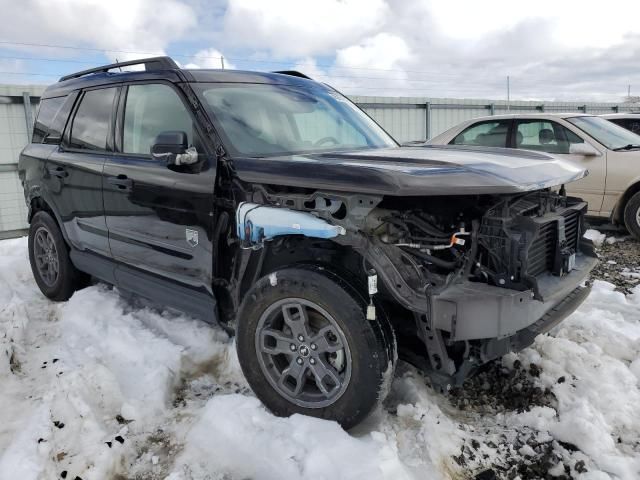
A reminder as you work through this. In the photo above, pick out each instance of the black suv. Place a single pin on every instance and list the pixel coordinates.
(272, 205)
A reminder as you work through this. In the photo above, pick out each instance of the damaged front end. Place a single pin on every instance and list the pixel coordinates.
(510, 267)
(466, 278)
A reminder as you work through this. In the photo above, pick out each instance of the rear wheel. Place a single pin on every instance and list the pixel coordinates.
(305, 346)
(632, 215)
(52, 269)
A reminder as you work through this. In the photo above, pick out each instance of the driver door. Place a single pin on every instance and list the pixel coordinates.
(159, 218)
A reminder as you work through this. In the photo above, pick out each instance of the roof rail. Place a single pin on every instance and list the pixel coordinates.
(293, 73)
(153, 63)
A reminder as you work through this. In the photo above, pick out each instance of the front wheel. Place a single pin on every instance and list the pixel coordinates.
(305, 346)
(632, 215)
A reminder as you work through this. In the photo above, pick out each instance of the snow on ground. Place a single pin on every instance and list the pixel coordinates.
(100, 388)
(595, 236)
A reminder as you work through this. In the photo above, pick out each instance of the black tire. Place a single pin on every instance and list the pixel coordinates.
(370, 345)
(68, 278)
(632, 215)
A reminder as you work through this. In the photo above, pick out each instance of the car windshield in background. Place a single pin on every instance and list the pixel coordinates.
(269, 119)
(609, 134)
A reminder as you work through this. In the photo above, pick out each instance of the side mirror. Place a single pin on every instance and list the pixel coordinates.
(583, 149)
(172, 148)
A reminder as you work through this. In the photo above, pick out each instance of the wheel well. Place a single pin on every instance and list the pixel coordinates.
(618, 213)
(38, 204)
(284, 251)
(299, 249)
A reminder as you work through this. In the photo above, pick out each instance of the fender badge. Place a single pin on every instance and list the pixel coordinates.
(192, 237)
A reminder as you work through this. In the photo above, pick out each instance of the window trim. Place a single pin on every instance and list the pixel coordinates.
(120, 113)
(508, 138)
(65, 144)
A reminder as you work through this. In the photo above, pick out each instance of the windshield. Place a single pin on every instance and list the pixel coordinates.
(608, 134)
(261, 120)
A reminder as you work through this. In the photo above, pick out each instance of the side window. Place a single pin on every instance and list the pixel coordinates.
(149, 110)
(47, 111)
(632, 125)
(91, 123)
(486, 134)
(544, 136)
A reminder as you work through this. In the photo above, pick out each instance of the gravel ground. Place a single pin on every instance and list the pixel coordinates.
(619, 263)
(509, 386)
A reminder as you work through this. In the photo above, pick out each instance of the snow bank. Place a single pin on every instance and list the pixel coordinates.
(596, 350)
(92, 374)
(252, 443)
(97, 387)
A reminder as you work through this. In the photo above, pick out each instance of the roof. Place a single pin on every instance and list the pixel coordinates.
(635, 116)
(542, 115)
(106, 75)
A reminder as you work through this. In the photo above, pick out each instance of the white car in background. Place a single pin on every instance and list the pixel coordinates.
(630, 121)
(610, 153)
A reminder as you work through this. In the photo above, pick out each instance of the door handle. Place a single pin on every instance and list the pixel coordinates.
(121, 182)
(57, 172)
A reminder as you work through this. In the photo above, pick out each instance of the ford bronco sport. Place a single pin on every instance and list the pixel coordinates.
(272, 205)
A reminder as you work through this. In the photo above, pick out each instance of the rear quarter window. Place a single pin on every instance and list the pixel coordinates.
(49, 108)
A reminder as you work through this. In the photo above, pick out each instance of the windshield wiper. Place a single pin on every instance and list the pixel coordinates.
(631, 146)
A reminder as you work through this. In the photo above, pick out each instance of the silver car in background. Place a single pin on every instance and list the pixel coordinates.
(610, 153)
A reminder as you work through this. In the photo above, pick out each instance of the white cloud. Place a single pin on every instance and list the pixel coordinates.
(575, 23)
(551, 49)
(384, 51)
(293, 28)
(145, 26)
(310, 68)
(209, 58)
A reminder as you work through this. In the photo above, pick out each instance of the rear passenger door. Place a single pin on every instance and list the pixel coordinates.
(548, 136)
(74, 171)
(159, 217)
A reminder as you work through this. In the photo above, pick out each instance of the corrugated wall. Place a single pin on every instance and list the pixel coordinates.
(13, 137)
(405, 118)
(420, 118)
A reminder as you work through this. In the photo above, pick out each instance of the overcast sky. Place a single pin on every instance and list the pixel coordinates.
(550, 49)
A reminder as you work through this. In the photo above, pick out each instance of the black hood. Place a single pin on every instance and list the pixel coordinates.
(413, 171)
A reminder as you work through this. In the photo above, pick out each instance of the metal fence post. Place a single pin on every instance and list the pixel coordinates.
(427, 120)
(28, 114)
(492, 109)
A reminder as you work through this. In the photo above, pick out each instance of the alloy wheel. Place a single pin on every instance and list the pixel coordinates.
(303, 352)
(46, 256)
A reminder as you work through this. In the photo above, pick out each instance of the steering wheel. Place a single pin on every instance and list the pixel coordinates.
(324, 140)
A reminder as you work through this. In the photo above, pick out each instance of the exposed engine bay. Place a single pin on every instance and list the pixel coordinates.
(504, 241)
(501, 240)
(481, 275)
